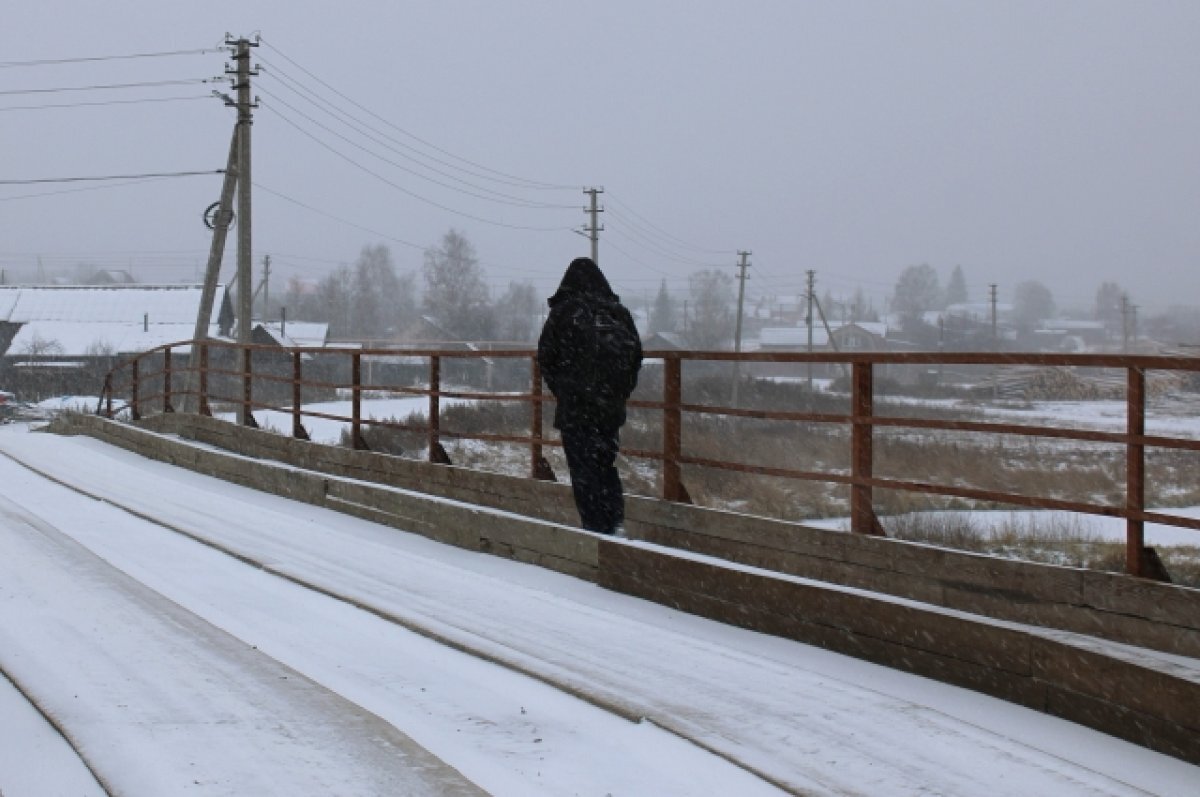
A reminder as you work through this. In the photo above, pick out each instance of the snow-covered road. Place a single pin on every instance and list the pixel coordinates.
(175, 667)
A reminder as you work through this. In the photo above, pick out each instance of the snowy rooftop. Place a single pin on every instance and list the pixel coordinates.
(80, 321)
(162, 304)
(78, 339)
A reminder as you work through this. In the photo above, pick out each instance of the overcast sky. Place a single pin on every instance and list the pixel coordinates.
(1056, 141)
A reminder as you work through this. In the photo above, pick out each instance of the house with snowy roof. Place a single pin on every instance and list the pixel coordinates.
(68, 333)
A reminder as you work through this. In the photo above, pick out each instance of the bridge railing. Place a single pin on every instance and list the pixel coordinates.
(225, 375)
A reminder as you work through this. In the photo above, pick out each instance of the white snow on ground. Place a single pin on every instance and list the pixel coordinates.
(35, 760)
(819, 722)
(1107, 529)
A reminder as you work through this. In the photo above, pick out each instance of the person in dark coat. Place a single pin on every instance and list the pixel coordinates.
(589, 353)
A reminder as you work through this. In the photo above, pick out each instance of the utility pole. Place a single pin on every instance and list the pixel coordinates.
(737, 332)
(245, 119)
(995, 342)
(1124, 323)
(812, 279)
(992, 299)
(592, 230)
(266, 308)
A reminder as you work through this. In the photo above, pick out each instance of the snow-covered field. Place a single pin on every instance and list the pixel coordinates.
(178, 669)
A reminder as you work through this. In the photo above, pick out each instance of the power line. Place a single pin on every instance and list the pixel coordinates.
(677, 241)
(506, 199)
(104, 102)
(51, 61)
(406, 191)
(528, 182)
(347, 222)
(76, 190)
(108, 86)
(109, 177)
(648, 243)
(413, 153)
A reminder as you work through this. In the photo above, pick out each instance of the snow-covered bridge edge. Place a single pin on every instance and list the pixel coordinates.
(1030, 634)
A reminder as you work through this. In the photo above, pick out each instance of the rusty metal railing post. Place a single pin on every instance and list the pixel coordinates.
(356, 440)
(862, 399)
(435, 412)
(134, 411)
(247, 411)
(673, 489)
(107, 396)
(166, 402)
(202, 400)
(1135, 471)
(539, 468)
(298, 430)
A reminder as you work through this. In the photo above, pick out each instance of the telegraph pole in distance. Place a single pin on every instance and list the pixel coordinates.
(737, 333)
(1124, 323)
(992, 299)
(995, 342)
(266, 308)
(592, 230)
(812, 279)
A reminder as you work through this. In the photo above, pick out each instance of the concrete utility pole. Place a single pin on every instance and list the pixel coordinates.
(812, 280)
(266, 283)
(992, 299)
(737, 332)
(1125, 323)
(592, 230)
(245, 283)
(212, 273)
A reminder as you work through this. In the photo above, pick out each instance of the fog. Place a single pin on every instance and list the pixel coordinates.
(1018, 140)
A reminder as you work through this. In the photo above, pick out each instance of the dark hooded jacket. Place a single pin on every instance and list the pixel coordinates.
(588, 393)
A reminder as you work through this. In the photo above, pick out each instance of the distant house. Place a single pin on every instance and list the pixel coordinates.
(860, 336)
(113, 276)
(58, 338)
(855, 336)
(299, 334)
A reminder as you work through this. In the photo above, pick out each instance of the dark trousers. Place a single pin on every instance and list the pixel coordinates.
(591, 456)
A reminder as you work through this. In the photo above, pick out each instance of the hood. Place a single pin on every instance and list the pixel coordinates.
(583, 277)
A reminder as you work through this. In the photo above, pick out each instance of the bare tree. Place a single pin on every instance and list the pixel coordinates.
(455, 292)
(712, 321)
(516, 313)
(917, 290)
(663, 318)
(1032, 303)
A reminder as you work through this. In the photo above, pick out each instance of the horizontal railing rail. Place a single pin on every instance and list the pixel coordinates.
(197, 376)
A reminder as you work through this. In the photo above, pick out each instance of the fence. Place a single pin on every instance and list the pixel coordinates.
(226, 374)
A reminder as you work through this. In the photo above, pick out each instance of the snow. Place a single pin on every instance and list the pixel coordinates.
(1091, 527)
(87, 338)
(157, 651)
